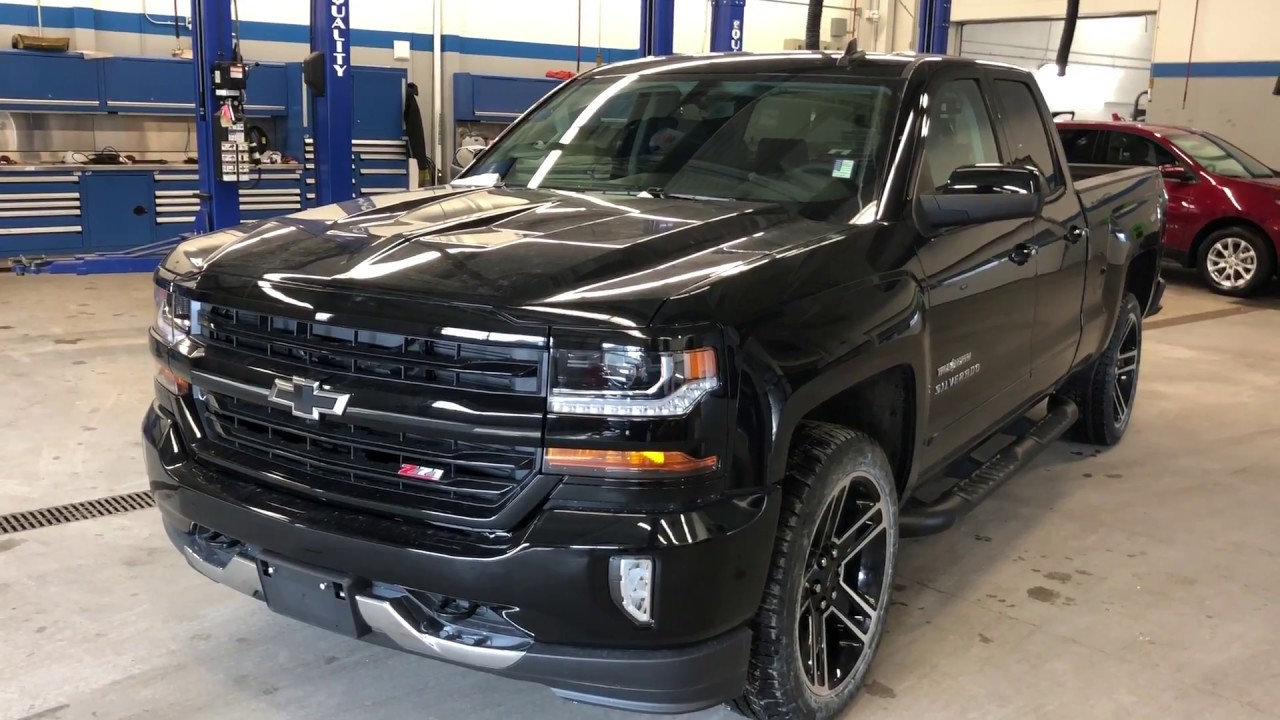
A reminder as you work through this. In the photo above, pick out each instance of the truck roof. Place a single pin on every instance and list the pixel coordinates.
(897, 64)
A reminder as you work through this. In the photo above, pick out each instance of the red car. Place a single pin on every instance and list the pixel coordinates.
(1224, 205)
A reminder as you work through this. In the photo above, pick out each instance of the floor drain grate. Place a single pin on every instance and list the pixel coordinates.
(86, 510)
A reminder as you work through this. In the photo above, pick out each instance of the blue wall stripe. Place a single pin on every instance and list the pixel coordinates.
(1265, 68)
(124, 22)
(540, 51)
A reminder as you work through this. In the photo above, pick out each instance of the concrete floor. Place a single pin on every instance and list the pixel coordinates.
(1140, 582)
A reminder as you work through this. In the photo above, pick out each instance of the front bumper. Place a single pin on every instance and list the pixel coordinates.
(551, 580)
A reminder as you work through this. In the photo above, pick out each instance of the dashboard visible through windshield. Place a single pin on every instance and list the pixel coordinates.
(818, 143)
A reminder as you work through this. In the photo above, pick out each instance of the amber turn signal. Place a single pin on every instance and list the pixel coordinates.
(170, 381)
(565, 460)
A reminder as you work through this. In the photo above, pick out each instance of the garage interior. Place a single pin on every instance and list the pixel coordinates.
(1135, 582)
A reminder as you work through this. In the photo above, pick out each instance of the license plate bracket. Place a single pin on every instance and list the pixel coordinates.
(316, 596)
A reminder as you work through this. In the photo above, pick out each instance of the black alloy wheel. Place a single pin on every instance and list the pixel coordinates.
(827, 596)
(1125, 387)
(1106, 391)
(845, 587)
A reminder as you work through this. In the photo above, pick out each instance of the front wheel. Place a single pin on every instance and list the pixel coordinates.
(824, 606)
(1236, 262)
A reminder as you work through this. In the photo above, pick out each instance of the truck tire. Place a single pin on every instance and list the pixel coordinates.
(828, 590)
(1236, 261)
(1107, 393)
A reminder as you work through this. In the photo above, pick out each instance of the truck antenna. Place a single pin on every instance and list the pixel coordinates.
(851, 54)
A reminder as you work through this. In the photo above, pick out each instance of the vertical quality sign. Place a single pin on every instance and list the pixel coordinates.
(341, 36)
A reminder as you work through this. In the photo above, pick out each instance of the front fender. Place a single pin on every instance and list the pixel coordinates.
(822, 345)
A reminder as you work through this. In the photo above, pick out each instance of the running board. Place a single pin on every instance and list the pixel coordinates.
(946, 511)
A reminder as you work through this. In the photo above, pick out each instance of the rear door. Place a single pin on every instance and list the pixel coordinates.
(981, 288)
(1061, 250)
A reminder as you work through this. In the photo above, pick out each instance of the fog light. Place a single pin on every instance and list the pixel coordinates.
(631, 580)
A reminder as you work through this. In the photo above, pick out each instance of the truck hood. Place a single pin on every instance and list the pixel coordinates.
(505, 248)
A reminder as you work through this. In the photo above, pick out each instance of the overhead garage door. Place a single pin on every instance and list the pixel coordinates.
(1110, 59)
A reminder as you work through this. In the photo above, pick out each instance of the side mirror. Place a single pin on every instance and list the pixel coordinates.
(1177, 173)
(981, 194)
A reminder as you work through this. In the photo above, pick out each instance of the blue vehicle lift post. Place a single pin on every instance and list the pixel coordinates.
(726, 25)
(935, 26)
(333, 99)
(212, 42)
(657, 27)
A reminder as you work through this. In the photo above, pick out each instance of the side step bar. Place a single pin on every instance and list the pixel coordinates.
(946, 511)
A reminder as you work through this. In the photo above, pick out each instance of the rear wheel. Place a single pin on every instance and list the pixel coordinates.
(1236, 261)
(824, 606)
(1107, 394)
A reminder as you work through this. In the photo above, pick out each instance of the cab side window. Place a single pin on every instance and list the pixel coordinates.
(1026, 131)
(958, 131)
(1128, 149)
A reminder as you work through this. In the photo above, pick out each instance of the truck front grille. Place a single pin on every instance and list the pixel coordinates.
(446, 423)
(452, 358)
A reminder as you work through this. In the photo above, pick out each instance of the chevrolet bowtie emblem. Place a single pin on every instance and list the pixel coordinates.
(306, 399)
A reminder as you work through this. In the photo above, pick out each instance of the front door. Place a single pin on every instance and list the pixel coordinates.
(1061, 238)
(981, 283)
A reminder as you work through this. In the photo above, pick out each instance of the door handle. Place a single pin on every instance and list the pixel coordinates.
(1023, 252)
(1076, 234)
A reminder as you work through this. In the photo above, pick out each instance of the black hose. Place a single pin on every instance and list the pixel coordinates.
(813, 26)
(177, 30)
(1068, 36)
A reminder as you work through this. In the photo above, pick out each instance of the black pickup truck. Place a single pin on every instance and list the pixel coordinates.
(640, 406)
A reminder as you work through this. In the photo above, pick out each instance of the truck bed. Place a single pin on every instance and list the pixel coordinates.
(1108, 193)
(1084, 172)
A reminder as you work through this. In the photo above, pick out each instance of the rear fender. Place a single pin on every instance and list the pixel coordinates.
(1134, 228)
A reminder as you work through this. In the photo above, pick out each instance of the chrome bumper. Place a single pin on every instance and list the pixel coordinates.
(381, 615)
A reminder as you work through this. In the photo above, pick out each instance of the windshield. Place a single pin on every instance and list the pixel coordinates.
(1221, 157)
(817, 143)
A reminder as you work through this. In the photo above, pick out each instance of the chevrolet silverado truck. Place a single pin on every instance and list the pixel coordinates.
(640, 406)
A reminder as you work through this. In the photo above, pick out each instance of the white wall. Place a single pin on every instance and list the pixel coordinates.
(541, 21)
(611, 23)
(768, 24)
(1226, 30)
(971, 10)
(1110, 59)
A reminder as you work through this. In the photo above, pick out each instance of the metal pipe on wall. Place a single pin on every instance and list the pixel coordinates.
(437, 81)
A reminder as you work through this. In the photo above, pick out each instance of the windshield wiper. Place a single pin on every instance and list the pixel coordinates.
(661, 193)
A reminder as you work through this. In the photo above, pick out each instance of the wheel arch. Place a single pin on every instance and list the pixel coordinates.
(1142, 276)
(884, 400)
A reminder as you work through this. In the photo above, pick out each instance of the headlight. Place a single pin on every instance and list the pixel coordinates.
(173, 316)
(622, 379)
(172, 325)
